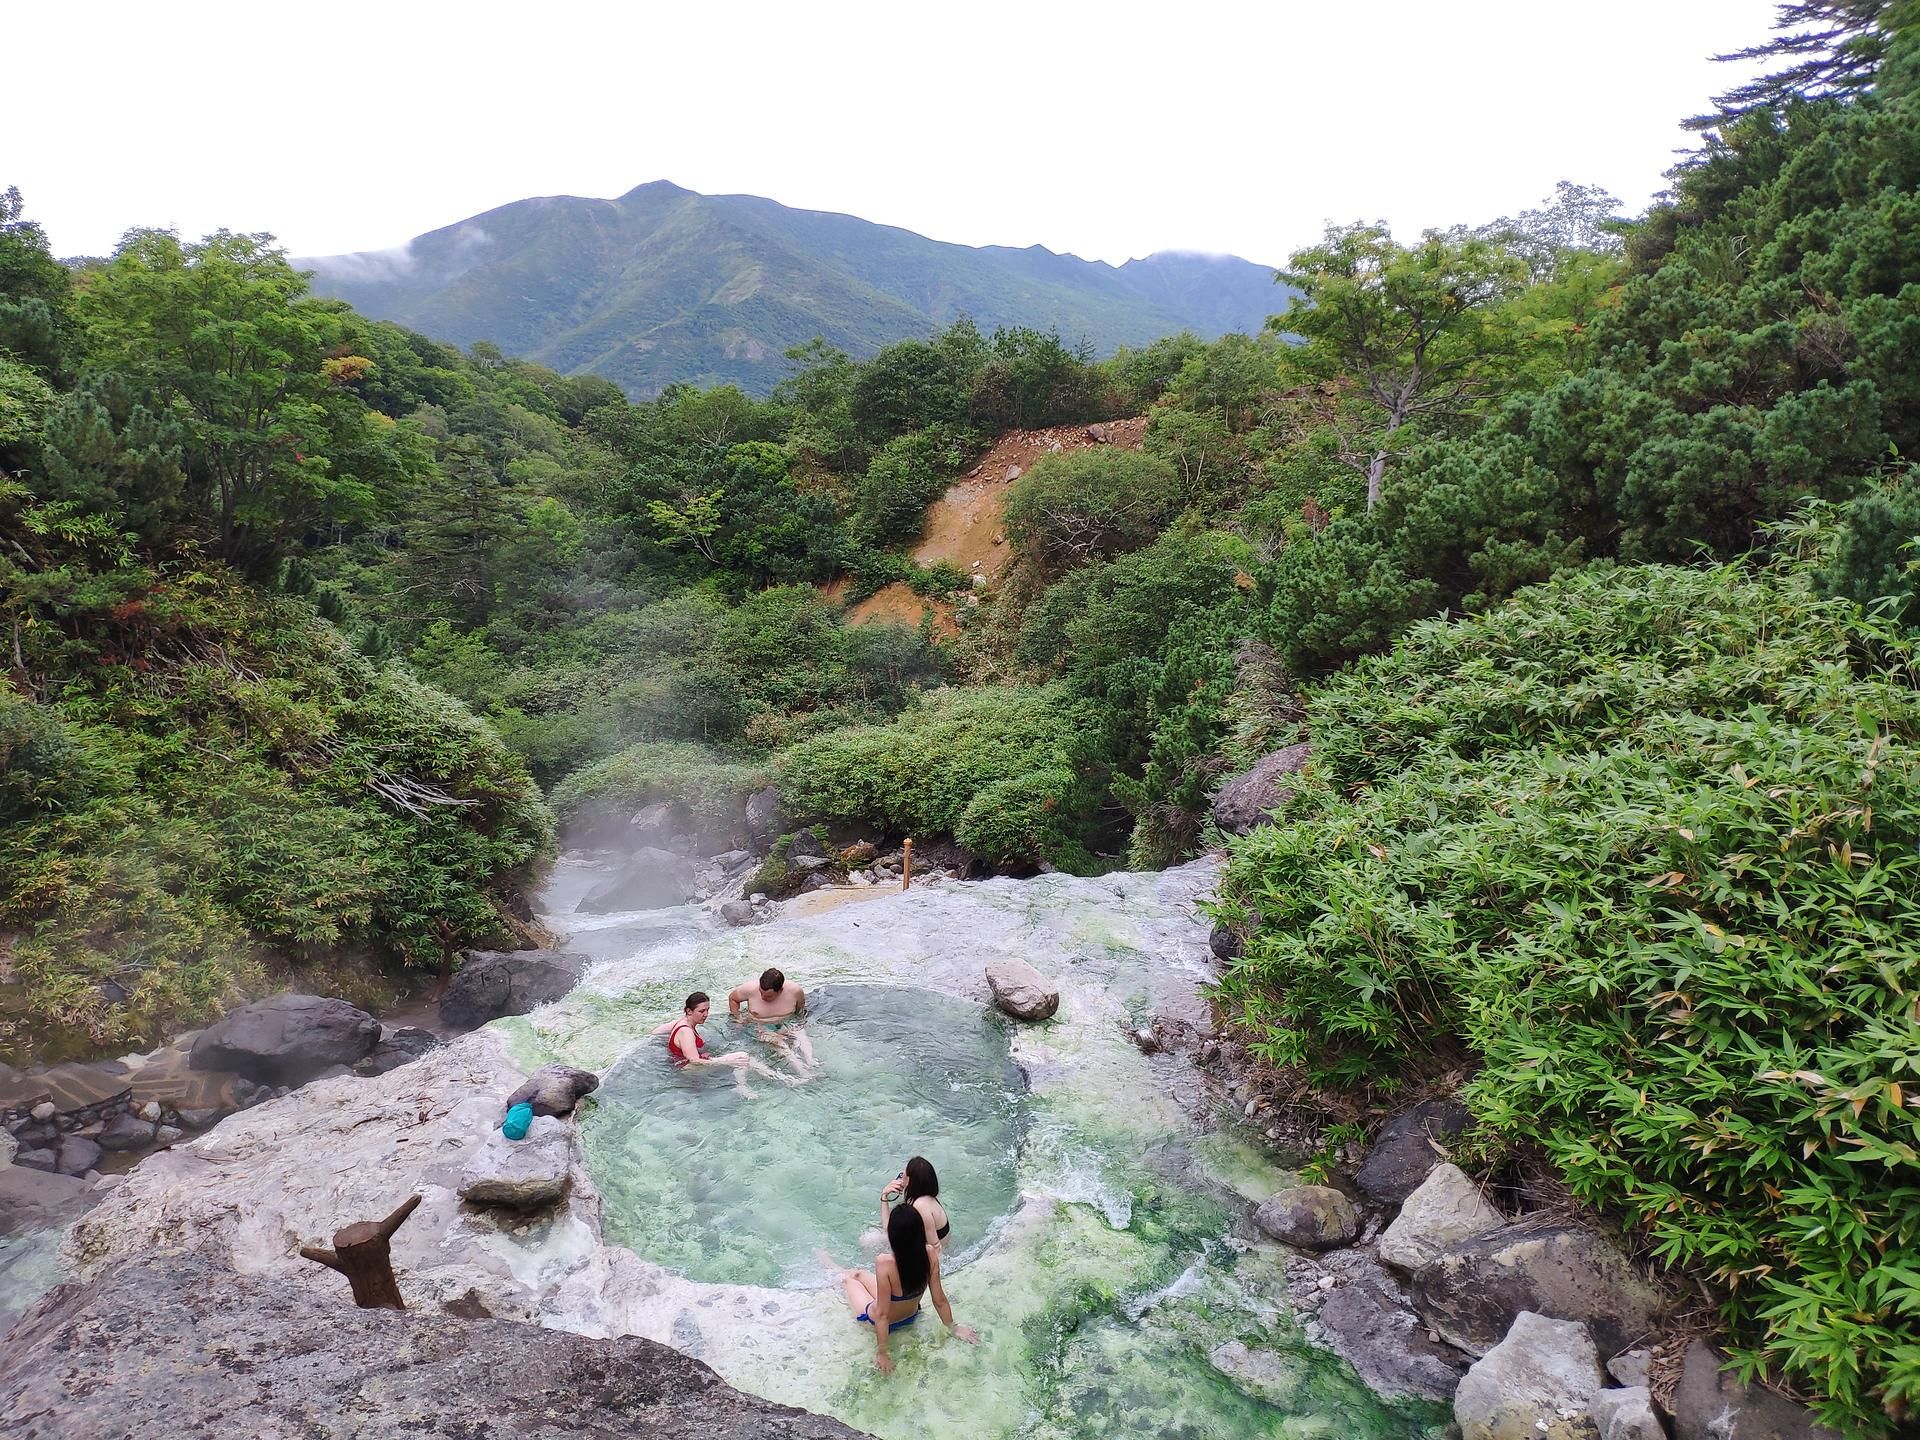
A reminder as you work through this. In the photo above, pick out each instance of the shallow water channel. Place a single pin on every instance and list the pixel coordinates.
(1095, 1242)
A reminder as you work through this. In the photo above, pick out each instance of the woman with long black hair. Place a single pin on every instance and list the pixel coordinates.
(919, 1186)
(889, 1298)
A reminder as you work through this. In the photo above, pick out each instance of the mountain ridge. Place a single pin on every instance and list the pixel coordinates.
(664, 285)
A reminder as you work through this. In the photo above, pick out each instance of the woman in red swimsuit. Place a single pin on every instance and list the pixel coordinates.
(686, 1046)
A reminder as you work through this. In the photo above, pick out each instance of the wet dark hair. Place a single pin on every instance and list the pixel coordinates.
(696, 1000)
(907, 1234)
(772, 979)
(920, 1179)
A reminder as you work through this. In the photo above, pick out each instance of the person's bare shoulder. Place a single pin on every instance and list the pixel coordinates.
(741, 992)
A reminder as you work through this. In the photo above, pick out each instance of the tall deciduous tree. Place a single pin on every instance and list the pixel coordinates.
(220, 337)
(1407, 328)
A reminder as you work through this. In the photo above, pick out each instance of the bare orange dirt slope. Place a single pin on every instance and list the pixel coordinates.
(963, 525)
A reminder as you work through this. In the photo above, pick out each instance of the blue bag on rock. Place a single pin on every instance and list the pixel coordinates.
(514, 1127)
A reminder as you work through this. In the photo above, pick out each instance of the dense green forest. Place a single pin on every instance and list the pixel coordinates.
(1581, 548)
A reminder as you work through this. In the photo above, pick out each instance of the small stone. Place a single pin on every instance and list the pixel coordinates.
(1309, 1217)
(150, 1111)
(198, 1119)
(1632, 1367)
(37, 1160)
(1626, 1415)
(1326, 1282)
(167, 1134)
(42, 1112)
(1250, 1105)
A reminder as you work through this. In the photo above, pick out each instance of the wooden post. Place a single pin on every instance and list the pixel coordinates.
(906, 867)
(363, 1253)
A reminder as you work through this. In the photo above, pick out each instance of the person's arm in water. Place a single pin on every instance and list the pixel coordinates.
(938, 1295)
(799, 999)
(735, 998)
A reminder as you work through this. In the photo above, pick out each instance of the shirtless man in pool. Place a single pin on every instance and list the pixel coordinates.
(773, 1011)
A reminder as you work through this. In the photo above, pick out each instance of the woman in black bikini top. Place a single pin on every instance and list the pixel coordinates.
(918, 1186)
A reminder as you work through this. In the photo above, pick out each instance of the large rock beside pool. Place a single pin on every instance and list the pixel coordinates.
(1309, 1217)
(555, 1089)
(652, 879)
(175, 1344)
(286, 1039)
(1022, 991)
(1534, 1385)
(522, 1174)
(492, 983)
(1472, 1292)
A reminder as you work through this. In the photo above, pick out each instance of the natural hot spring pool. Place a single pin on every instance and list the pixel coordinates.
(727, 1189)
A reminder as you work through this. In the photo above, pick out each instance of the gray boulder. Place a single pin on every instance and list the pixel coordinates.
(1535, 1383)
(1359, 1309)
(1310, 1217)
(38, 1199)
(38, 1158)
(1226, 944)
(1021, 991)
(655, 826)
(492, 983)
(126, 1132)
(764, 820)
(1714, 1404)
(1626, 1415)
(285, 1039)
(174, 1345)
(400, 1046)
(804, 845)
(1247, 801)
(1405, 1150)
(652, 879)
(77, 1155)
(1446, 1209)
(1471, 1293)
(521, 1174)
(737, 912)
(9, 1147)
(554, 1089)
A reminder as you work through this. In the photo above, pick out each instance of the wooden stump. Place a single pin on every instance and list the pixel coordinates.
(363, 1253)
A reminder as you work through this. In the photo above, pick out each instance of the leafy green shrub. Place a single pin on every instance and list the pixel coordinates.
(1877, 557)
(1644, 839)
(1083, 505)
(922, 773)
(235, 788)
(904, 477)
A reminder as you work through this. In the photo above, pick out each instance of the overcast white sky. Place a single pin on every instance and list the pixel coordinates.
(1109, 130)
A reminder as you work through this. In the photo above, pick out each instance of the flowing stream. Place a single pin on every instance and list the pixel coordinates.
(1099, 1246)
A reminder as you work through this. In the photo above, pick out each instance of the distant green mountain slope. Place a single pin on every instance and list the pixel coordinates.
(665, 285)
